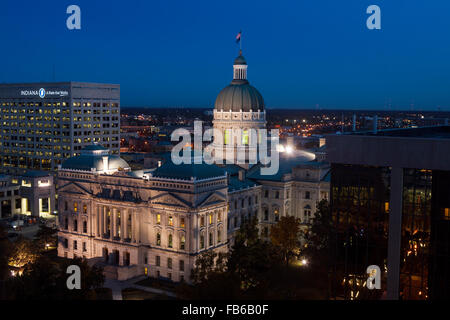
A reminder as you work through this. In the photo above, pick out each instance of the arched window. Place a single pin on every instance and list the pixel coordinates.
(219, 236)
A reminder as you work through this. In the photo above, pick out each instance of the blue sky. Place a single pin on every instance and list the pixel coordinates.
(301, 53)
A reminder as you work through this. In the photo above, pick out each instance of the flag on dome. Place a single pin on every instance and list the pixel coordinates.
(238, 37)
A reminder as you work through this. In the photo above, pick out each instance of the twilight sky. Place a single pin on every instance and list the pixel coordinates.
(301, 53)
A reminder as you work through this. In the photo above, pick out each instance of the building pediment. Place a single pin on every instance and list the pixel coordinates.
(169, 199)
(74, 188)
(212, 199)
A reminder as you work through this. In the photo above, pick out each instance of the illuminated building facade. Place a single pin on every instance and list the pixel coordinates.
(390, 194)
(41, 124)
(32, 194)
(149, 223)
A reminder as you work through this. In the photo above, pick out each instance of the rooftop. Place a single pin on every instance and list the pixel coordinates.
(433, 132)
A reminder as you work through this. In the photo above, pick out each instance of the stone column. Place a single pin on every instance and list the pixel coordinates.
(133, 227)
(395, 234)
(113, 223)
(122, 224)
(125, 222)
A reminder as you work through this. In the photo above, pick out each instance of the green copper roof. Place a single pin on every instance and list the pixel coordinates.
(188, 171)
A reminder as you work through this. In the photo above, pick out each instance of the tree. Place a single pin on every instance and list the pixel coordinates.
(46, 236)
(23, 253)
(5, 251)
(320, 240)
(285, 235)
(251, 257)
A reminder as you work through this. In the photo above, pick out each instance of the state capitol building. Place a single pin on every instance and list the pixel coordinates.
(156, 222)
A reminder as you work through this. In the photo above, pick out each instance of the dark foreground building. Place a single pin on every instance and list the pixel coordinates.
(390, 200)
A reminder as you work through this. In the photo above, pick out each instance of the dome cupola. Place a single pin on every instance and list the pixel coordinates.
(239, 95)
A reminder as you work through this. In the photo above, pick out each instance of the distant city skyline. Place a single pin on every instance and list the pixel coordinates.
(314, 55)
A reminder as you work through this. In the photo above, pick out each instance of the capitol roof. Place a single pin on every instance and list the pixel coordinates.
(188, 171)
(95, 157)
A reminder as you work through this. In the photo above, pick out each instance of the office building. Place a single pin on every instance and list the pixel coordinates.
(41, 124)
(390, 200)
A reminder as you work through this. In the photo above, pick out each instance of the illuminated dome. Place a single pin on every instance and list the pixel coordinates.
(96, 158)
(239, 95)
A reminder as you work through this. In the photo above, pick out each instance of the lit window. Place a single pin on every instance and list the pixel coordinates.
(227, 136)
(447, 213)
(158, 239)
(245, 137)
(158, 219)
(75, 207)
(210, 218)
(170, 221)
(386, 206)
(182, 223)
(84, 208)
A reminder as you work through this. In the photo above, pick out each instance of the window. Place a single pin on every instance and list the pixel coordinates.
(158, 219)
(266, 193)
(145, 260)
(219, 235)
(169, 263)
(202, 241)
(307, 214)
(277, 215)
(219, 216)
(307, 195)
(66, 207)
(182, 224)
(84, 208)
(84, 247)
(182, 242)
(75, 207)
(66, 223)
(75, 245)
(84, 226)
(227, 136)
(170, 221)
(181, 265)
(210, 218)
(170, 241)
(158, 239)
(158, 261)
(277, 195)
(210, 239)
(266, 214)
(75, 225)
(242, 203)
(245, 137)
(66, 243)
(202, 221)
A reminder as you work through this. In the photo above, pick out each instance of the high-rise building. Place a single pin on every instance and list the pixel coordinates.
(41, 124)
(390, 202)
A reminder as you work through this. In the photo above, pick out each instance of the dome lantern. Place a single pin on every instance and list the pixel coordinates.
(240, 68)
